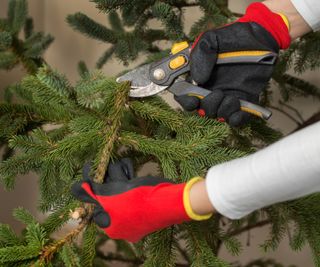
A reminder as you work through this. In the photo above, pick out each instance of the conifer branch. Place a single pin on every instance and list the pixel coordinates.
(249, 227)
(293, 109)
(48, 251)
(30, 66)
(120, 258)
(286, 114)
(112, 129)
(313, 119)
(183, 252)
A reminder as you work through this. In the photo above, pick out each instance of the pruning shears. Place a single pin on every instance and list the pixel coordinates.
(151, 79)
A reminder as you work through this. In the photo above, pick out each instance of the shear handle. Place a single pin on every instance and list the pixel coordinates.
(180, 88)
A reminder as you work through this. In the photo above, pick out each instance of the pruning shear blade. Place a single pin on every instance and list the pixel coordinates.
(141, 85)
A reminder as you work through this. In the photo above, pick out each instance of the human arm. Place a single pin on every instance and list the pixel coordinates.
(298, 25)
(130, 208)
(286, 170)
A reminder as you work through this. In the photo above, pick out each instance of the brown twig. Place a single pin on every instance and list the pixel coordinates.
(48, 251)
(313, 119)
(249, 227)
(286, 114)
(293, 109)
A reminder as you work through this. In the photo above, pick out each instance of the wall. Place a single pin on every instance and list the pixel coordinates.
(70, 47)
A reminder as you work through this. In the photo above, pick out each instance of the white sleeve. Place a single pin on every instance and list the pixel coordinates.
(286, 170)
(310, 11)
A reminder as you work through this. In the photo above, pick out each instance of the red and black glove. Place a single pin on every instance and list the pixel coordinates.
(258, 30)
(129, 208)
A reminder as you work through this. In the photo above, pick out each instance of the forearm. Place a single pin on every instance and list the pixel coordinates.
(199, 199)
(286, 170)
(298, 25)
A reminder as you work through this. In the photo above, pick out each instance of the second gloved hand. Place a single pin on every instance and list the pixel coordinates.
(129, 208)
(257, 31)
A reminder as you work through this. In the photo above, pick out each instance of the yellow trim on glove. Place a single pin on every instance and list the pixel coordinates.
(243, 54)
(187, 204)
(285, 19)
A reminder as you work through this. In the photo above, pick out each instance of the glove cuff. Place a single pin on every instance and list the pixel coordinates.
(187, 204)
(276, 24)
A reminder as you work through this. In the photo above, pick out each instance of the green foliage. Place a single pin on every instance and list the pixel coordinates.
(199, 249)
(17, 50)
(24, 216)
(88, 247)
(5, 40)
(263, 263)
(18, 251)
(69, 256)
(7, 237)
(160, 249)
(85, 25)
(58, 155)
(88, 116)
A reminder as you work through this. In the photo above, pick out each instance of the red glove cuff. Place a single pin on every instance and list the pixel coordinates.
(272, 22)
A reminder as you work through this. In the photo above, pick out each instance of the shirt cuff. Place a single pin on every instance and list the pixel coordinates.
(310, 11)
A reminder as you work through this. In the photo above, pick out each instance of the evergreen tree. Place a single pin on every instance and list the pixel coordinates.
(96, 121)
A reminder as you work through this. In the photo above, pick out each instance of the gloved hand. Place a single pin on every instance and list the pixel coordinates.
(130, 208)
(258, 30)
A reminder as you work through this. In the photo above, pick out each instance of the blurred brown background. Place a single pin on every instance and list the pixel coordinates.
(70, 47)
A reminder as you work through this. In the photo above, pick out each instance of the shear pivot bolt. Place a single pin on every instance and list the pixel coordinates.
(159, 74)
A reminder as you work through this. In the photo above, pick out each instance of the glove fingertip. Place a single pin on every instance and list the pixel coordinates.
(189, 103)
(86, 171)
(100, 217)
(117, 171)
(127, 166)
(211, 103)
(79, 192)
(239, 118)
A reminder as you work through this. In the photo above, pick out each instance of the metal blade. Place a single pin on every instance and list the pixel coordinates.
(140, 82)
(149, 90)
(138, 77)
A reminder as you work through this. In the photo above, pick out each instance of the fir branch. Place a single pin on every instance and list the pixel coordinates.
(105, 57)
(183, 252)
(293, 109)
(286, 114)
(114, 257)
(165, 13)
(112, 130)
(17, 14)
(156, 112)
(313, 119)
(83, 69)
(24, 216)
(8, 238)
(202, 255)
(119, 104)
(58, 217)
(84, 24)
(17, 253)
(69, 256)
(249, 227)
(160, 248)
(88, 245)
(48, 251)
